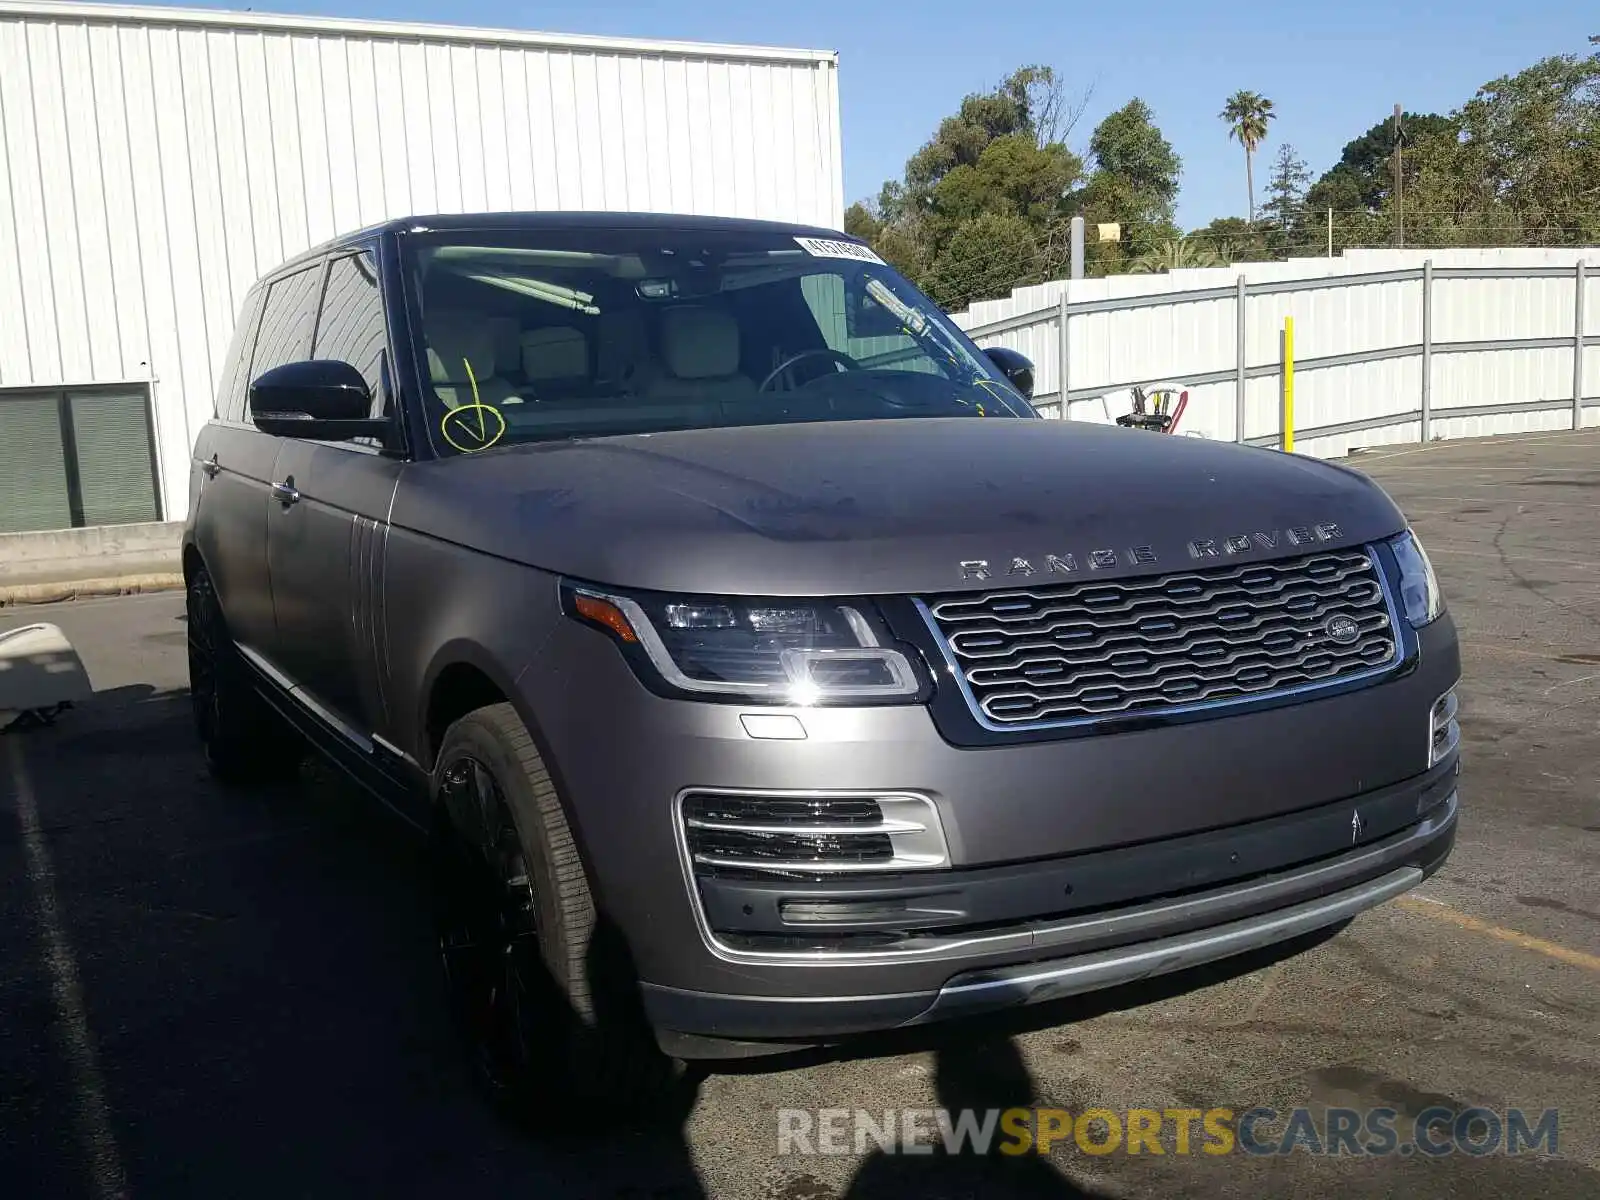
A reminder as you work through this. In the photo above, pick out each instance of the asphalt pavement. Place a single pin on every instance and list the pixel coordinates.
(215, 994)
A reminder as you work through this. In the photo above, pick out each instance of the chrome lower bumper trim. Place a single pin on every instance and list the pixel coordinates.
(1036, 983)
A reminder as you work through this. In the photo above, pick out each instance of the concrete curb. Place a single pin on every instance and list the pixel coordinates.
(82, 589)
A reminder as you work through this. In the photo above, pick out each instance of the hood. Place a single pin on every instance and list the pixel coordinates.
(880, 507)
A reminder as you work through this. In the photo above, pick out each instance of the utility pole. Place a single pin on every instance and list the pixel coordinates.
(1399, 183)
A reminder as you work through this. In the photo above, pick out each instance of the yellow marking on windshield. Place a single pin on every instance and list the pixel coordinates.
(993, 389)
(484, 437)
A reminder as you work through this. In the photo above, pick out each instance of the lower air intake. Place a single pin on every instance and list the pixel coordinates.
(807, 834)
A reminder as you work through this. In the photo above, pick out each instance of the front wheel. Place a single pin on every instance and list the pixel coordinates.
(540, 984)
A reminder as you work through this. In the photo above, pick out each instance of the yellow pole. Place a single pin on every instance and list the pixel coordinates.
(1288, 385)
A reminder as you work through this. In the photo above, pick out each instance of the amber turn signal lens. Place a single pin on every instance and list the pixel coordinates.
(603, 612)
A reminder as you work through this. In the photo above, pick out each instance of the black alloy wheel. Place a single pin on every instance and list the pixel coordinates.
(488, 931)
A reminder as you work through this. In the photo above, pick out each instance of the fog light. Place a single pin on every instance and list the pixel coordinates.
(1444, 732)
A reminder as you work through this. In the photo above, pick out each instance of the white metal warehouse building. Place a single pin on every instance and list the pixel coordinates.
(155, 161)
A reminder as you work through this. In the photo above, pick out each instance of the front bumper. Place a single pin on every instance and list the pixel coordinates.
(1180, 843)
(1100, 950)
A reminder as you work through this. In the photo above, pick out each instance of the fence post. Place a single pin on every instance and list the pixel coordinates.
(1427, 349)
(1577, 347)
(1062, 388)
(1286, 412)
(1077, 247)
(1239, 380)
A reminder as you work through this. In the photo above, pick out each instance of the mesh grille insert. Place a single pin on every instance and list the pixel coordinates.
(1104, 648)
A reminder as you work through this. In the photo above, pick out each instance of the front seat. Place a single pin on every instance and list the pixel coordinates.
(555, 362)
(700, 357)
(457, 340)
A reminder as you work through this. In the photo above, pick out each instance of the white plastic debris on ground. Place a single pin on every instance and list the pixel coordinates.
(40, 674)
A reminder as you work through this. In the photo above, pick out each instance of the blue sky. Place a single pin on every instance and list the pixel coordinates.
(1332, 69)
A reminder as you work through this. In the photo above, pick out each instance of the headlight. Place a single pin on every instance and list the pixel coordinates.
(1419, 587)
(772, 651)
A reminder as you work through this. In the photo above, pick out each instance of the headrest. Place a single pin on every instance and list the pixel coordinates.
(454, 339)
(700, 343)
(555, 352)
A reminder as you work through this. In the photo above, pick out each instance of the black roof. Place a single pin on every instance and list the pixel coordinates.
(560, 220)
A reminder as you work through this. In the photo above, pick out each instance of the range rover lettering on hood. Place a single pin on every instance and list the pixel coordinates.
(1136, 556)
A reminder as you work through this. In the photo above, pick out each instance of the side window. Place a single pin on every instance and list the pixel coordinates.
(351, 327)
(236, 366)
(286, 320)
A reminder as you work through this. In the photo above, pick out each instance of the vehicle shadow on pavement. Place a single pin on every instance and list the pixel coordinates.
(982, 1076)
(262, 993)
(641, 1140)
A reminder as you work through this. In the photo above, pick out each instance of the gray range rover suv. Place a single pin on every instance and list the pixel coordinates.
(763, 669)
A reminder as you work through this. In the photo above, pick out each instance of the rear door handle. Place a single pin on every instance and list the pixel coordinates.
(211, 466)
(284, 493)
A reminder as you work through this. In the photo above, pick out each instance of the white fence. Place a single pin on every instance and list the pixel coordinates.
(1390, 346)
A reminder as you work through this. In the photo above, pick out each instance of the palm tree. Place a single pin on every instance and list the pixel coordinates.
(1175, 254)
(1247, 114)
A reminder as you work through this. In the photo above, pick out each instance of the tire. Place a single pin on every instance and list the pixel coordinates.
(245, 740)
(541, 986)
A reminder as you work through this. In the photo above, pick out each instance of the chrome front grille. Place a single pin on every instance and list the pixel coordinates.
(1086, 651)
(760, 833)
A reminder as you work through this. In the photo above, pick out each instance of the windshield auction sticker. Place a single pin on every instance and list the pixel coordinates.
(828, 248)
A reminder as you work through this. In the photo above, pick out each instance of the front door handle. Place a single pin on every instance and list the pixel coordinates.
(211, 466)
(284, 493)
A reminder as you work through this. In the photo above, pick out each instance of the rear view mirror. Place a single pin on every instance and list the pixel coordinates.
(320, 399)
(1016, 367)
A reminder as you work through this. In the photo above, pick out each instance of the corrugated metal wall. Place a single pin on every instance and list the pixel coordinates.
(1166, 341)
(154, 162)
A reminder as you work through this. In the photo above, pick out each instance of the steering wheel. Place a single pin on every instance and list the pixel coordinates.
(836, 356)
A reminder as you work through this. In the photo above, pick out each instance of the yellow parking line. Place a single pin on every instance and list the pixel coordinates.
(1492, 648)
(1443, 912)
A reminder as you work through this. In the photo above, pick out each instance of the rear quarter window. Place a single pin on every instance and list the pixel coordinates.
(287, 319)
(351, 327)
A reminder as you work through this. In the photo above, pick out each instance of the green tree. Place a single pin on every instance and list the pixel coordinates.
(1177, 253)
(961, 139)
(1233, 235)
(1012, 177)
(1247, 115)
(1001, 154)
(1364, 175)
(1133, 183)
(860, 221)
(986, 258)
(1127, 144)
(1520, 164)
(1286, 194)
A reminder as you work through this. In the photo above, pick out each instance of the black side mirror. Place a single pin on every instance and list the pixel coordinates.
(321, 399)
(1015, 367)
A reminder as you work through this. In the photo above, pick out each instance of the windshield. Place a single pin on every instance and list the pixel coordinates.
(593, 332)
